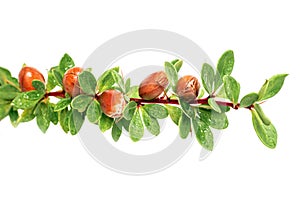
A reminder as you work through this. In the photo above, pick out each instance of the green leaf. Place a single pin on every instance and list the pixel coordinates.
(94, 112)
(38, 85)
(204, 106)
(266, 133)
(262, 115)
(53, 116)
(4, 75)
(201, 93)
(205, 115)
(58, 77)
(8, 92)
(63, 117)
(62, 104)
(106, 80)
(207, 77)
(14, 81)
(174, 61)
(27, 115)
(4, 110)
(129, 110)
(51, 82)
(75, 121)
(117, 69)
(134, 92)
(186, 108)
(127, 85)
(232, 89)
(171, 75)
(221, 93)
(28, 99)
(184, 126)
(225, 63)
(66, 63)
(224, 108)
(87, 82)
(249, 100)
(150, 123)
(203, 134)
(123, 123)
(174, 112)
(42, 117)
(116, 132)
(81, 102)
(157, 111)
(4, 102)
(136, 127)
(118, 80)
(105, 123)
(6, 78)
(13, 116)
(218, 81)
(212, 102)
(271, 87)
(224, 67)
(177, 65)
(213, 119)
(218, 120)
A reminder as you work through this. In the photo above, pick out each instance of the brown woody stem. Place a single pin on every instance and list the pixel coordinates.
(203, 101)
(56, 94)
(140, 101)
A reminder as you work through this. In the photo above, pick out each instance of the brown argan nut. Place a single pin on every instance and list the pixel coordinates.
(153, 85)
(27, 75)
(70, 81)
(112, 103)
(188, 88)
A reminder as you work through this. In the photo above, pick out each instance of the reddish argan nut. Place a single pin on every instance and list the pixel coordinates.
(153, 85)
(27, 75)
(112, 103)
(70, 81)
(188, 88)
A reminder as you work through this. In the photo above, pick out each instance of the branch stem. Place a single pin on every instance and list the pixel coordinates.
(56, 94)
(140, 101)
(203, 101)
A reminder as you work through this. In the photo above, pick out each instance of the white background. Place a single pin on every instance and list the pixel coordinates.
(265, 38)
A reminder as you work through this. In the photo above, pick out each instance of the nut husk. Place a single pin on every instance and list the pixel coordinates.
(70, 81)
(188, 88)
(112, 103)
(153, 85)
(27, 75)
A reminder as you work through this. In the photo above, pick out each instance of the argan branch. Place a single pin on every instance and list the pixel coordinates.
(203, 101)
(140, 101)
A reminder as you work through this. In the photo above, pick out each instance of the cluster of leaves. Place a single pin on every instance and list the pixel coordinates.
(200, 118)
(221, 84)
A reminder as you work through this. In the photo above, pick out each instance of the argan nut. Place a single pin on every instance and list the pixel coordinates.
(188, 88)
(112, 103)
(27, 75)
(70, 81)
(153, 85)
